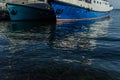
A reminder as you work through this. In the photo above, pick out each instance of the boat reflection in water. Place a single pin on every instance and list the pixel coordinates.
(80, 35)
(20, 43)
(51, 51)
(27, 32)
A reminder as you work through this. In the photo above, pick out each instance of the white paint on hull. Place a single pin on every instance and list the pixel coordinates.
(96, 5)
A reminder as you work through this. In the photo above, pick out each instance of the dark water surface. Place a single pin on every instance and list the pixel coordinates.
(65, 51)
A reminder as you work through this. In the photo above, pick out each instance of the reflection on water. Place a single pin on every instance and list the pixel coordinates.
(76, 35)
(49, 51)
(29, 32)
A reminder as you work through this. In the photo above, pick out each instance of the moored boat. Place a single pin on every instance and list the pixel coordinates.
(74, 10)
(40, 10)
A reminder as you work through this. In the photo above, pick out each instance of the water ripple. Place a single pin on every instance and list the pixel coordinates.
(68, 51)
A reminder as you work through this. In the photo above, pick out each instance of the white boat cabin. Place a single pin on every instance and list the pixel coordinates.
(96, 5)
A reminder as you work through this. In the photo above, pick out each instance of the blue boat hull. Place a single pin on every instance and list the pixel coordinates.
(23, 12)
(66, 11)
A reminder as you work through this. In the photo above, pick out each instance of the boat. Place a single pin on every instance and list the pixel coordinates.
(74, 10)
(38, 10)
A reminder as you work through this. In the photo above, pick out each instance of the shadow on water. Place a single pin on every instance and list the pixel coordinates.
(49, 51)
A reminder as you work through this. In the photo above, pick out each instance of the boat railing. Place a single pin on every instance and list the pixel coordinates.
(23, 2)
(34, 1)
